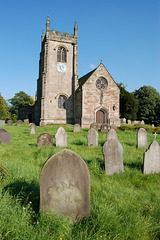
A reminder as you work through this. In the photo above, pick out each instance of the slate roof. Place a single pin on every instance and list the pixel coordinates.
(83, 79)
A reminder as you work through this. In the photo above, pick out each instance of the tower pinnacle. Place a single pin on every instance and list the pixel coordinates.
(47, 24)
(75, 29)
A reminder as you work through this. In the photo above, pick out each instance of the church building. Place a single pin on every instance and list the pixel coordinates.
(61, 96)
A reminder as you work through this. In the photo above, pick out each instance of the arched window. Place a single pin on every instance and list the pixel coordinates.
(61, 54)
(62, 102)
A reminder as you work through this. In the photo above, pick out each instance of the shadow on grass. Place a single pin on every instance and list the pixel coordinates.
(27, 193)
(137, 165)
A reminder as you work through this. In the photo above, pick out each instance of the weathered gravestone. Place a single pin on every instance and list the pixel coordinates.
(113, 157)
(142, 138)
(129, 122)
(61, 137)
(44, 139)
(104, 127)
(2, 130)
(151, 163)
(65, 185)
(112, 135)
(32, 128)
(2, 123)
(9, 123)
(123, 120)
(5, 137)
(19, 122)
(142, 122)
(26, 121)
(76, 128)
(92, 137)
(94, 126)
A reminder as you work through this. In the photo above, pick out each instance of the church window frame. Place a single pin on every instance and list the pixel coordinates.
(61, 54)
(62, 102)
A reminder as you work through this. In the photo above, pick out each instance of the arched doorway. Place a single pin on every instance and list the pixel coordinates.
(100, 117)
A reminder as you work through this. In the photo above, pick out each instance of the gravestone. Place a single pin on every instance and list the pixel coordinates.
(104, 127)
(19, 122)
(92, 137)
(5, 137)
(65, 185)
(94, 126)
(76, 128)
(142, 138)
(142, 122)
(112, 134)
(9, 123)
(129, 122)
(2, 130)
(32, 128)
(113, 157)
(2, 123)
(151, 163)
(44, 139)
(155, 135)
(61, 137)
(123, 120)
(26, 121)
(152, 125)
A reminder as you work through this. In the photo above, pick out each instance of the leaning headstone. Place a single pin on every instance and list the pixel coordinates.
(44, 139)
(112, 135)
(94, 126)
(2, 130)
(2, 123)
(9, 123)
(129, 122)
(76, 128)
(151, 162)
(26, 121)
(113, 157)
(32, 128)
(5, 137)
(92, 137)
(142, 138)
(65, 185)
(19, 122)
(104, 127)
(61, 137)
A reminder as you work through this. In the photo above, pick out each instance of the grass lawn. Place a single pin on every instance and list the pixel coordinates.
(123, 206)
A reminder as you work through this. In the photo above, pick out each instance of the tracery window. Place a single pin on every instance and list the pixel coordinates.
(101, 83)
(61, 54)
(62, 100)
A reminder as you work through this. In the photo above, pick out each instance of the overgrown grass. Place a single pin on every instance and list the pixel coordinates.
(123, 206)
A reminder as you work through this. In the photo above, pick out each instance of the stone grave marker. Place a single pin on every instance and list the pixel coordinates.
(26, 121)
(152, 125)
(92, 137)
(9, 123)
(32, 128)
(5, 137)
(65, 185)
(2, 130)
(44, 139)
(2, 123)
(19, 122)
(61, 137)
(113, 156)
(155, 135)
(151, 163)
(104, 127)
(94, 126)
(129, 122)
(76, 128)
(142, 138)
(123, 120)
(112, 134)
(142, 122)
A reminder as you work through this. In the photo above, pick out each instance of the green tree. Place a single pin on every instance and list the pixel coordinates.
(128, 104)
(4, 110)
(149, 104)
(20, 99)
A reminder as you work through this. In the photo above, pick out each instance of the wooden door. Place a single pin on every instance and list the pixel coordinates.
(100, 117)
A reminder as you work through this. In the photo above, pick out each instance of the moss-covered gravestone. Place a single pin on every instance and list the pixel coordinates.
(65, 185)
(112, 135)
(44, 139)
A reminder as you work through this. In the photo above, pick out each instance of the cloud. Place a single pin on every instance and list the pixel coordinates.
(92, 66)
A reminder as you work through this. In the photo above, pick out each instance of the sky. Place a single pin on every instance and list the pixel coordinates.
(125, 34)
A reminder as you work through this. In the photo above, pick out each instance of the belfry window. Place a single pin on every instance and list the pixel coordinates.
(62, 102)
(61, 54)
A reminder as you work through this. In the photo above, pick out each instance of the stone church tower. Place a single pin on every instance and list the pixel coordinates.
(58, 77)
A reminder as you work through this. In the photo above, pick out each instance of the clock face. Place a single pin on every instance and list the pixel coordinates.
(61, 67)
